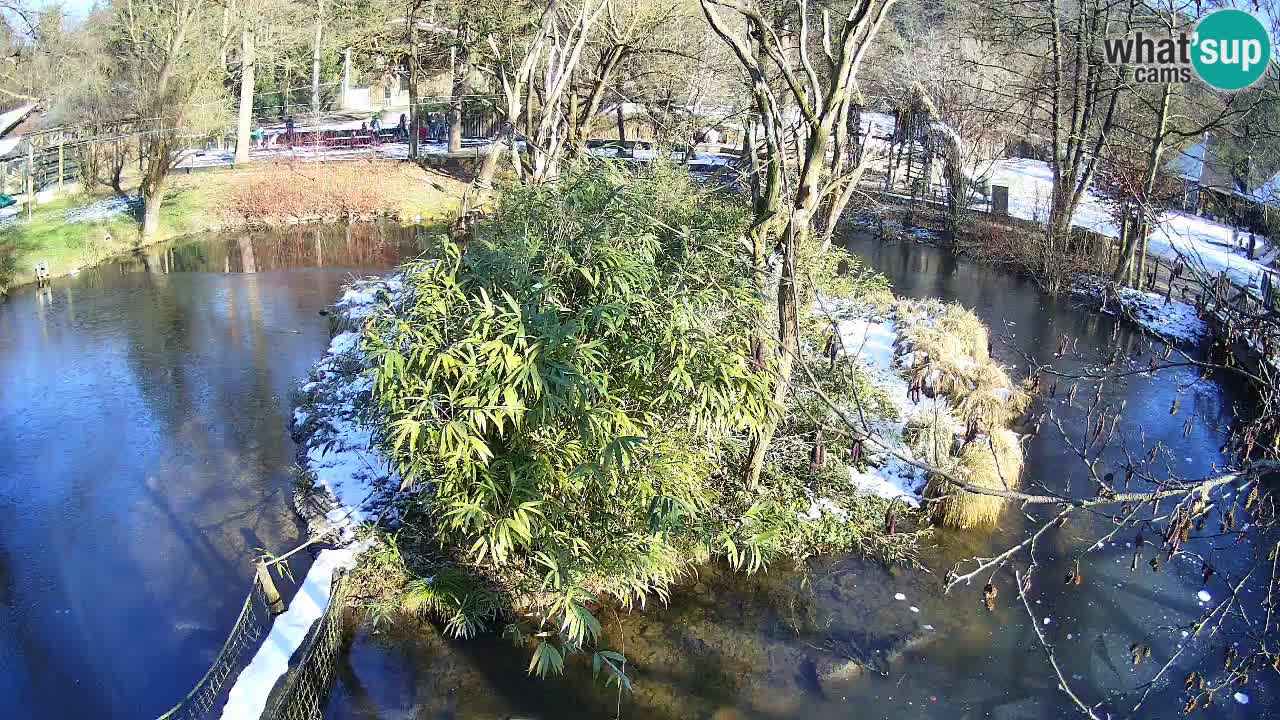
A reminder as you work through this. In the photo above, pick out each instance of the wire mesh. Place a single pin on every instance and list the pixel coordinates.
(205, 697)
(306, 687)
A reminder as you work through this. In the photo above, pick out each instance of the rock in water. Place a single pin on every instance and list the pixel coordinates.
(835, 671)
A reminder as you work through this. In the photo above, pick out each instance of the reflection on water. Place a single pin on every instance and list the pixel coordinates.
(763, 647)
(143, 430)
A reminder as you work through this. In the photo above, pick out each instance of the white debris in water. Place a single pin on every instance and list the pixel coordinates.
(248, 697)
(899, 596)
(928, 627)
(914, 609)
(1241, 698)
(1046, 621)
(1204, 596)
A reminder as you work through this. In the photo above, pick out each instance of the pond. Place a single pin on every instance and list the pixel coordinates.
(771, 646)
(144, 418)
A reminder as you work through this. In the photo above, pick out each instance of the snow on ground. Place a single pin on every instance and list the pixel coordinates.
(193, 159)
(248, 697)
(104, 209)
(338, 445)
(14, 116)
(1173, 320)
(873, 341)
(1204, 244)
(338, 448)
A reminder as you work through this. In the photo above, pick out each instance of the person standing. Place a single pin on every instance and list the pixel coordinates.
(375, 125)
(402, 130)
(288, 130)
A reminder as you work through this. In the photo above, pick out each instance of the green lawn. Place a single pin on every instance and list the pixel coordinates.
(66, 246)
(194, 203)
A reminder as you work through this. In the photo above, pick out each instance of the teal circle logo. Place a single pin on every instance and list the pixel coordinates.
(1231, 49)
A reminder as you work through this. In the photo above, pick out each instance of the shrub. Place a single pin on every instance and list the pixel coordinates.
(576, 387)
(569, 387)
(8, 263)
(277, 192)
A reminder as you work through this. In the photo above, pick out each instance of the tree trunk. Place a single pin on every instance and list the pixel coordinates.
(575, 129)
(622, 124)
(1124, 262)
(1156, 149)
(244, 121)
(456, 91)
(152, 197)
(483, 182)
(315, 58)
(1142, 228)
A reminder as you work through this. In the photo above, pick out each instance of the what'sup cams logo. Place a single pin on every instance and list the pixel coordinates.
(1229, 50)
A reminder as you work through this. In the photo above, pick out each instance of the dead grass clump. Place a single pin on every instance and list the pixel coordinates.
(967, 329)
(932, 432)
(992, 399)
(992, 461)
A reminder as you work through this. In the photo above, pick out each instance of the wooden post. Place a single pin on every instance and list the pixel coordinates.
(60, 165)
(269, 588)
(31, 177)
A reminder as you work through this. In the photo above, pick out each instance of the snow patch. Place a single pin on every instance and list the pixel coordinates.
(334, 427)
(1168, 319)
(104, 209)
(248, 697)
(1204, 245)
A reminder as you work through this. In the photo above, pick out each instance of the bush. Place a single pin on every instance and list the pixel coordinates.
(8, 264)
(277, 192)
(567, 387)
(576, 388)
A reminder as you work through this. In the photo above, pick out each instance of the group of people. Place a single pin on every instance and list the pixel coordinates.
(434, 128)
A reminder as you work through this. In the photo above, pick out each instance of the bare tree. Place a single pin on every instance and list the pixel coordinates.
(822, 99)
(167, 52)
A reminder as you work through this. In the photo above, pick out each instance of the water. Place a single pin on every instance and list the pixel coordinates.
(734, 647)
(143, 430)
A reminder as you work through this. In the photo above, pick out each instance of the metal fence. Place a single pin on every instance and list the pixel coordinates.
(39, 170)
(306, 687)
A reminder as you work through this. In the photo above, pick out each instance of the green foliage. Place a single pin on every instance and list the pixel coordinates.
(567, 386)
(8, 263)
(576, 389)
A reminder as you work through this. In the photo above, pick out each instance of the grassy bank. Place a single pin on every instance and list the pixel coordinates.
(263, 195)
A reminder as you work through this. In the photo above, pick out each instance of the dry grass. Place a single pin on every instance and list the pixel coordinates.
(952, 361)
(992, 400)
(931, 433)
(991, 461)
(948, 342)
(355, 190)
